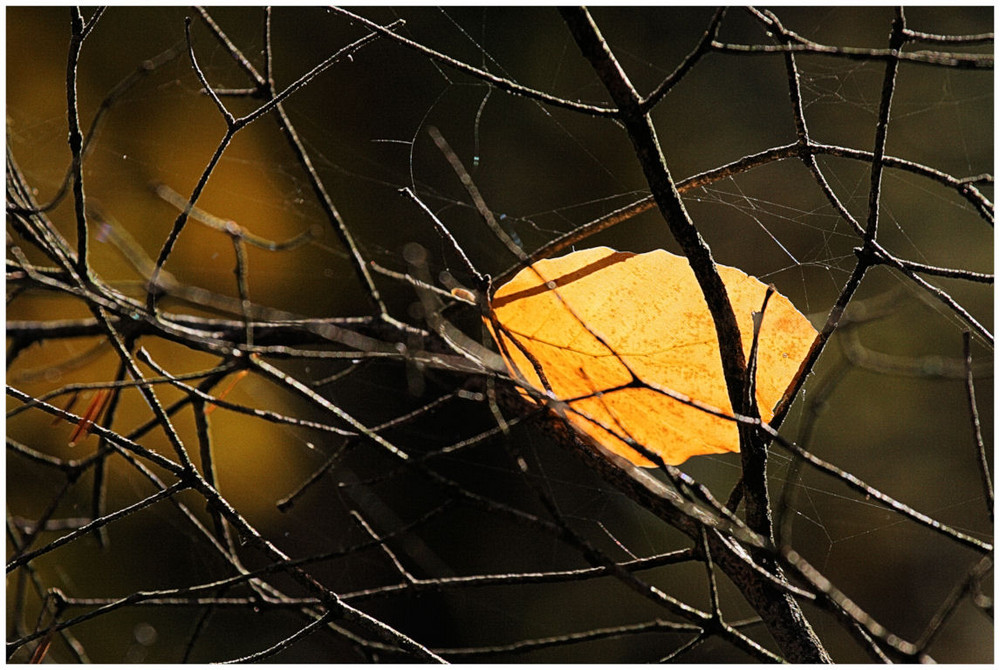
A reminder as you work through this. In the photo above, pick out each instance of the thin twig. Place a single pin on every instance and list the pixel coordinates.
(499, 82)
(977, 431)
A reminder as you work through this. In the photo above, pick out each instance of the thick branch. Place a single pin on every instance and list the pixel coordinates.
(778, 609)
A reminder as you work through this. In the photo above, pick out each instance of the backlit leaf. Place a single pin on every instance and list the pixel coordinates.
(645, 313)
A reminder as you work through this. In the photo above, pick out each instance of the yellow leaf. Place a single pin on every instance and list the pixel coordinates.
(646, 312)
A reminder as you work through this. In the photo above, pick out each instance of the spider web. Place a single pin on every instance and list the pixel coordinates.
(366, 492)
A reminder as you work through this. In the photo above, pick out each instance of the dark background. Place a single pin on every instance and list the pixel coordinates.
(547, 170)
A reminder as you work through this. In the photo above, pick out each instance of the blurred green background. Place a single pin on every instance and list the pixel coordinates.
(546, 170)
